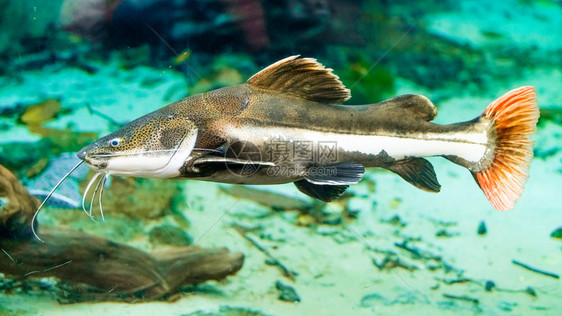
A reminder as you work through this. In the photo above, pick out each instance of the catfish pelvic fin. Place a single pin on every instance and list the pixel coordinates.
(304, 78)
(418, 172)
(326, 193)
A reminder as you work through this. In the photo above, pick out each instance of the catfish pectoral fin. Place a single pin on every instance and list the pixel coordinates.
(230, 161)
(418, 172)
(326, 193)
(222, 169)
(209, 164)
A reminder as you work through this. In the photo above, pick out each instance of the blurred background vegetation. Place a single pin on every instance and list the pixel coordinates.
(220, 42)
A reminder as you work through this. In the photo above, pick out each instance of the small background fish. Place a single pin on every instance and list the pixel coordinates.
(68, 195)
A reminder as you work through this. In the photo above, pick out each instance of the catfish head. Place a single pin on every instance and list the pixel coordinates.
(153, 146)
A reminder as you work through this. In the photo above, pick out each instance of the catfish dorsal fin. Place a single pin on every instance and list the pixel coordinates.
(302, 77)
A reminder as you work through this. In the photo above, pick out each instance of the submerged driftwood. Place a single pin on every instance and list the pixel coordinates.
(94, 268)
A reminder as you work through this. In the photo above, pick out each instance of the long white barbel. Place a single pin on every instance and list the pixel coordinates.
(47, 198)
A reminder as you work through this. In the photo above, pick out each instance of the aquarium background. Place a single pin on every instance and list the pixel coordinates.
(72, 71)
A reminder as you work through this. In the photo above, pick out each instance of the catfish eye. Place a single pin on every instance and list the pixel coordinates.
(114, 142)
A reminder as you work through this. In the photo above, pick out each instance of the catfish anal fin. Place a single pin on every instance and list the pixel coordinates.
(326, 193)
(418, 172)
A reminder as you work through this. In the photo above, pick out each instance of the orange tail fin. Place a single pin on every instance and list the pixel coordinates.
(515, 115)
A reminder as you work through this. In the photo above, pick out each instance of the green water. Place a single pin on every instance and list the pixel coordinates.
(73, 71)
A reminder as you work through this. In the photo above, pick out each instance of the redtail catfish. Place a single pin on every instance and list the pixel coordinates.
(287, 124)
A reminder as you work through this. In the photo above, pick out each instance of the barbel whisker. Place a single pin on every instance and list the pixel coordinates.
(94, 196)
(207, 149)
(86, 193)
(101, 195)
(34, 218)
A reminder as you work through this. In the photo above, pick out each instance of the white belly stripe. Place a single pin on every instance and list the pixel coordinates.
(469, 146)
(402, 147)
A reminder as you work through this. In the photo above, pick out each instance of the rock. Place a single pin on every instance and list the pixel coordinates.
(344, 236)
(288, 293)
(353, 207)
(394, 220)
(465, 298)
(531, 291)
(327, 230)
(353, 213)
(332, 221)
(506, 306)
(372, 299)
(391, 262)
(557, 233)
(489, 285)
(251, 212)
(445, 234)
(305, 220)
(482, 230)
(411, 297)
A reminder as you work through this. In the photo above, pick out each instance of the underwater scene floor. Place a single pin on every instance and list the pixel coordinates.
(384, 248)
(388, 248)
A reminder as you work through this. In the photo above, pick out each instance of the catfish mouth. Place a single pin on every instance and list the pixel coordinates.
(96, 161)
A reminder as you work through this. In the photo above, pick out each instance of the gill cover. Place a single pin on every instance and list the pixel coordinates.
(155, 145)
